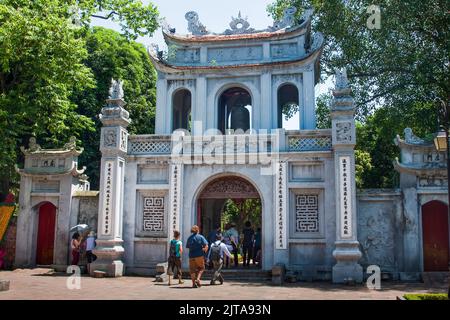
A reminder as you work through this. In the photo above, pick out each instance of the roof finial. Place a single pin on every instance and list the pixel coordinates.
(194, 25)
(115, 90)
(341, 79)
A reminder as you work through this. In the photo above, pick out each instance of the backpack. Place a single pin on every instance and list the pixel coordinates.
(173, 249)
(215, 252)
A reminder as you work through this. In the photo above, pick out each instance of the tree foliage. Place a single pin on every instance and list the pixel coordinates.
(405, 61)
(111, 55)
(40, 66)
(241, 211)
(42, 69)
(399, 73)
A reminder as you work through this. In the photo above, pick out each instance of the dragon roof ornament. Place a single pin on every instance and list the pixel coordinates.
(240, 25)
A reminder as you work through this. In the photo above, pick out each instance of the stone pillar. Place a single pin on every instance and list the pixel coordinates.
(199, 110)
(309, 121)
(161, 92)
(266, 98)
(113, 145)
(347, 251)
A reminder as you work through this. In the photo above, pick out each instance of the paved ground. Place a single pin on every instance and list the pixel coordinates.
(40, 284)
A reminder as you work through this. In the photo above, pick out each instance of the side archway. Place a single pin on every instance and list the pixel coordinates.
(45, 243)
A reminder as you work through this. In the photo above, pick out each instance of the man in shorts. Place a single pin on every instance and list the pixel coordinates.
(198, 246)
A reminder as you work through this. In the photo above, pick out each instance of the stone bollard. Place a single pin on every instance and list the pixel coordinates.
(278, 274)
(4, 285)
(161, 268)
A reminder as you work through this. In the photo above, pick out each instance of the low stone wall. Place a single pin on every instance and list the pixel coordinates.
(380, 225)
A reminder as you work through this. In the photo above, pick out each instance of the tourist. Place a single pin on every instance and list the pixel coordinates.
(234, 237)
(227, 241)
(198, 246)
(213, 233)
(75, 244)
(216, 256)
(247, 243)
(257, 247)
(174, 261)
(90, 246)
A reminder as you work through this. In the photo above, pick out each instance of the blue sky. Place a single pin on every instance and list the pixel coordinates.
(215, 15)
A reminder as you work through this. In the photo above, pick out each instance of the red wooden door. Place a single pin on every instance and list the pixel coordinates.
(435, 236)
(46, 234)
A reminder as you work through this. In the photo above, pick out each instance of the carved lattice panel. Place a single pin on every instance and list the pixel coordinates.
(307, 213)
(150, 147)
(153, 215)
(309, 144)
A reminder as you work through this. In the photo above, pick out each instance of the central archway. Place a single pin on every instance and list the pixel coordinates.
(231, 200)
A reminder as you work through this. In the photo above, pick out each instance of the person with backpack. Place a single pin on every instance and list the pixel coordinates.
(174, 261)
(216, 255)
(198, 246)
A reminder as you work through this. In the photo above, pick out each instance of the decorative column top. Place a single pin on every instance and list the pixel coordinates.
(342, 99)
(114, 113)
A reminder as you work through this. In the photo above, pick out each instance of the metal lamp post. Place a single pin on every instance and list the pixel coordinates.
(441, 142)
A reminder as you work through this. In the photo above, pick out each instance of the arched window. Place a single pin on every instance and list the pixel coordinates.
(235, 110)
(181, 110)
(288, 107)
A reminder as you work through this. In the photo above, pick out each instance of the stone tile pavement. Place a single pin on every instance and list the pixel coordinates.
(43, 284)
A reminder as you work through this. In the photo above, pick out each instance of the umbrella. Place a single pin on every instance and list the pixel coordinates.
(80, 228)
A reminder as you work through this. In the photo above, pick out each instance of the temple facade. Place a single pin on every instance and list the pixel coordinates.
(221, 135)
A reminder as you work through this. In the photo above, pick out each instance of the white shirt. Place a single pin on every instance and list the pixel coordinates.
(90, 243)
(223, 249)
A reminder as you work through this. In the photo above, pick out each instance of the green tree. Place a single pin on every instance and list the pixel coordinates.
(40, 66)
(111, 55)
(323, 105)
(399, 73)
(42, 52)
(376, 137)
(405, 61)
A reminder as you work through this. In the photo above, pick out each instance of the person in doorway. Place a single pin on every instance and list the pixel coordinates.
(198, 246)
(257, 247)
(247, 243)
(216, 256)
(75, 245)
(227, 241)
(211, 238)
(174, 261)
(90, 246)
(212, 235)
(234, 237)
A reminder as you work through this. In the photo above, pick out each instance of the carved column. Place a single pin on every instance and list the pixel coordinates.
(347, 251)
(113, 145)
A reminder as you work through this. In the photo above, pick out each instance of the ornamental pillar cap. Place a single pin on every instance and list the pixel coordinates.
(114, 113)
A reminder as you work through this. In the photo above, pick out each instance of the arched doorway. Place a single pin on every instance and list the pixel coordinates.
(181, 110)
(435, 236)
(46, 234)
(235, 110)
(288, 106)
(231, 200)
